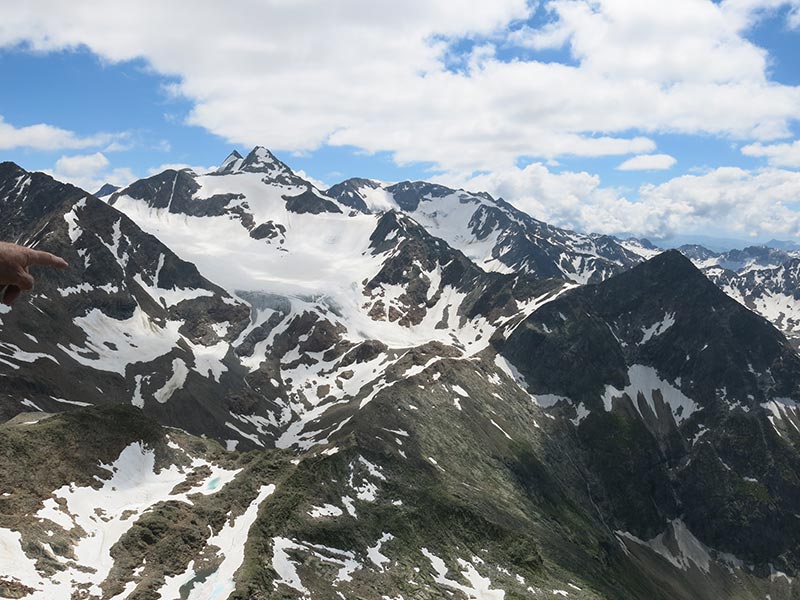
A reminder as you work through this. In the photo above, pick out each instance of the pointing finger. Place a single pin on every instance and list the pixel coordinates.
(24, 280)
(37, 257)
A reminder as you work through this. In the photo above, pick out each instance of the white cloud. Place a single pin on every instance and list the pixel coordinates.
(726, 199)
(751, 203)
(648, 162)
(794, 18)
(658, 41)
(90, 171)
(81, 165)
(778, 155)
(45, 137)
(372, 75)
(317, 183)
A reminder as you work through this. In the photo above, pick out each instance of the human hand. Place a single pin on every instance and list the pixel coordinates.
(14, 263)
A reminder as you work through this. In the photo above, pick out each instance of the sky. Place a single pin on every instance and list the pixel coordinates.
(631, 117)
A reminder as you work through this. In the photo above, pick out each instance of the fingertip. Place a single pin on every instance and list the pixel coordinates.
(46, 259)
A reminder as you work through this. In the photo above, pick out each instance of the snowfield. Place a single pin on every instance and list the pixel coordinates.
(100, 517)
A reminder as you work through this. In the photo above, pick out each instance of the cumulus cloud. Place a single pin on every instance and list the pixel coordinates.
(794, 18)
(648, 162)
(81, 165)
(90, 171)
(726, 199)
(384, 76)
(779, 155)
(374, 75)
(317, 183)
(45, 137)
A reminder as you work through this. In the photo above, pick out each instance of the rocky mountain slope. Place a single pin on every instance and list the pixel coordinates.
(492, 232)
(686, 388)
(128, 320)
(293, 394)
(499, 237)
(766, 280)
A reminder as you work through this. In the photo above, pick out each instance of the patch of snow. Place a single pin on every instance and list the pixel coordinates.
(349, 506)
(374, 552)
(104, 515)
(326, 510)
(230, 541)
(174, 383)
(478, 588)
(657, 328)
(119, 343)
(677, 545)
(284, 566)
(500, 428)
(460, 391)
(645, 380)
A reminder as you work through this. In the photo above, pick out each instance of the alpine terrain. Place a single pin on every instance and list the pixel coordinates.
(247, 387)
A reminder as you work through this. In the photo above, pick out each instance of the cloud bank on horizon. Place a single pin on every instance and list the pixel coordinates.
(538, 102)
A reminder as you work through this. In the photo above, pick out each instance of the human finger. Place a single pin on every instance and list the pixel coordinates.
(37, 257)
(24, 280)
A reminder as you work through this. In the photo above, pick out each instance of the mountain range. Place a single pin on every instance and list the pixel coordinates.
(248, 387)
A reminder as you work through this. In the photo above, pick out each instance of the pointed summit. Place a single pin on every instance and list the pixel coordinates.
(106, 190)
(672, 261)
(261, 160)
(231, 164)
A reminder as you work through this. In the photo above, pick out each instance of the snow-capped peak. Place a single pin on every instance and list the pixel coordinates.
(231, 163)
(261, 160)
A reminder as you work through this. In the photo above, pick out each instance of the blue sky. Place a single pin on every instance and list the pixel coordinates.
(522, 99)
(82, 93)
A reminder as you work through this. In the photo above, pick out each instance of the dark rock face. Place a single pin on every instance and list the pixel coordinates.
(762, 278)
(347, 192)
(408, 194)
(106, 190)
(231, 164)
(311, 203)
(175, 191)
(161, 190)
(622, 310)
(665, 318)
(268, 230)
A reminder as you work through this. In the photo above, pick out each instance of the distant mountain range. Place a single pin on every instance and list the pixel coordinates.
(248, 387)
